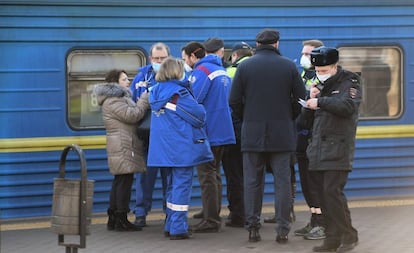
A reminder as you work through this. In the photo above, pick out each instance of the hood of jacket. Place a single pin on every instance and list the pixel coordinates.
(161, 93)
(210, 58)
(107, 90)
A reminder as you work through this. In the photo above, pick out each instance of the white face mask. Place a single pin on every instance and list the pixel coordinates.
(183, 76)
(187, 67)
(305, 62)
(323, 78)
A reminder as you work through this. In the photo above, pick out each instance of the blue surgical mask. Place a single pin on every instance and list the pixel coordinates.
(156, 66)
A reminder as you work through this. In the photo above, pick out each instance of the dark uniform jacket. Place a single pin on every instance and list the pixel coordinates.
(334, 124)
(263, 89)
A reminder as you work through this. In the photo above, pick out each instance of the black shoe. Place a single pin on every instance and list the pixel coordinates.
(140, 221)
(166, 234)
(180, 236)
(198, 215)
(282, 239)
(187, 235)
(122, 224)
(235, 222)
(206, 227)
(110, 225)
(326, 247)
(254, 235)
(345, 247)
(271, 219)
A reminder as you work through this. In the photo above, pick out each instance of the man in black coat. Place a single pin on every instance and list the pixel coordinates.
(332, 111)
(263, 89)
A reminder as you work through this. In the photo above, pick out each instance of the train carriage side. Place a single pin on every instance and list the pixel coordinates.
(53, 54)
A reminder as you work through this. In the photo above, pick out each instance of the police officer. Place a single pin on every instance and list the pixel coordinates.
(315, 229)
(232, 161)
(333, 109)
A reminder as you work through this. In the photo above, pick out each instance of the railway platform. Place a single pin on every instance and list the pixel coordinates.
(384, 225)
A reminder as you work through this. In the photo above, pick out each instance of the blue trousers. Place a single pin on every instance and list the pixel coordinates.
(179, 185)
(145, 187)
(254, 164)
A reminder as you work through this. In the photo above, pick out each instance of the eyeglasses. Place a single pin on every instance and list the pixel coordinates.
(161, 58)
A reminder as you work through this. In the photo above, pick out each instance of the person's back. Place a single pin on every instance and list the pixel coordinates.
(211, 87)
(261, 96)
(268, 80)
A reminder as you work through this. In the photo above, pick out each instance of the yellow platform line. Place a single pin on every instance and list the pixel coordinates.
(158, 215)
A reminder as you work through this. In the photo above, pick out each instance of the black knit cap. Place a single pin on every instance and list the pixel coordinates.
(213, 44)
(267, 36)
(323, 56)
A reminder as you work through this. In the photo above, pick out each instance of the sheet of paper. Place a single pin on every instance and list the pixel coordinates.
(302, 103)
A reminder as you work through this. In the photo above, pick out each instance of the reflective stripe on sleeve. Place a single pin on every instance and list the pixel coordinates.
(171, 106)
(217, 73)
(175, 207)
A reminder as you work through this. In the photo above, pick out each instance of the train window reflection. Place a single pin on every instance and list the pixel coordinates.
(85, 68)
(380, 69)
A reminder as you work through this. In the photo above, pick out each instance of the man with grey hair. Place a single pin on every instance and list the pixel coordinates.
(145, 181)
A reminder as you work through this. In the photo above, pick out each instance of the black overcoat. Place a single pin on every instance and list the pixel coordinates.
(334, 124)
(264, 91)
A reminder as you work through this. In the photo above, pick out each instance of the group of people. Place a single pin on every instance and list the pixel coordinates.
(248, 116)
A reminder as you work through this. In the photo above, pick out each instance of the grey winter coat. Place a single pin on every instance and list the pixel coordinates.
(121, 116)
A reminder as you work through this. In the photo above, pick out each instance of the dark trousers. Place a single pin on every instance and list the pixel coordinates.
(254, 164)
(120, 195)
(232, 163)
(309, 180)
(211, 186)
(335, 208)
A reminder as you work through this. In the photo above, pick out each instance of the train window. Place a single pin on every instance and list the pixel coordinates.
(380, 69)
(87, 67)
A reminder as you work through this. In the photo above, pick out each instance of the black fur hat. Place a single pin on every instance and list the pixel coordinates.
(323, 56)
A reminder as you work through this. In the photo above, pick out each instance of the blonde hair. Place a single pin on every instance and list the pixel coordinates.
(171, 68)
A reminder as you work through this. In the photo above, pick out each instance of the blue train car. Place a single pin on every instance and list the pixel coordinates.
(53, 52)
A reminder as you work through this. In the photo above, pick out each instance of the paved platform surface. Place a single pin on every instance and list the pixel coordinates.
(384, 226)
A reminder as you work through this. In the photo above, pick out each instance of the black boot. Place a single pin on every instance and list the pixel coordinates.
(254, 235)
(111, 219)
(122, 223)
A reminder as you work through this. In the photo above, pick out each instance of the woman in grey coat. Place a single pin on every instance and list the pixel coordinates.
(121, 117)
